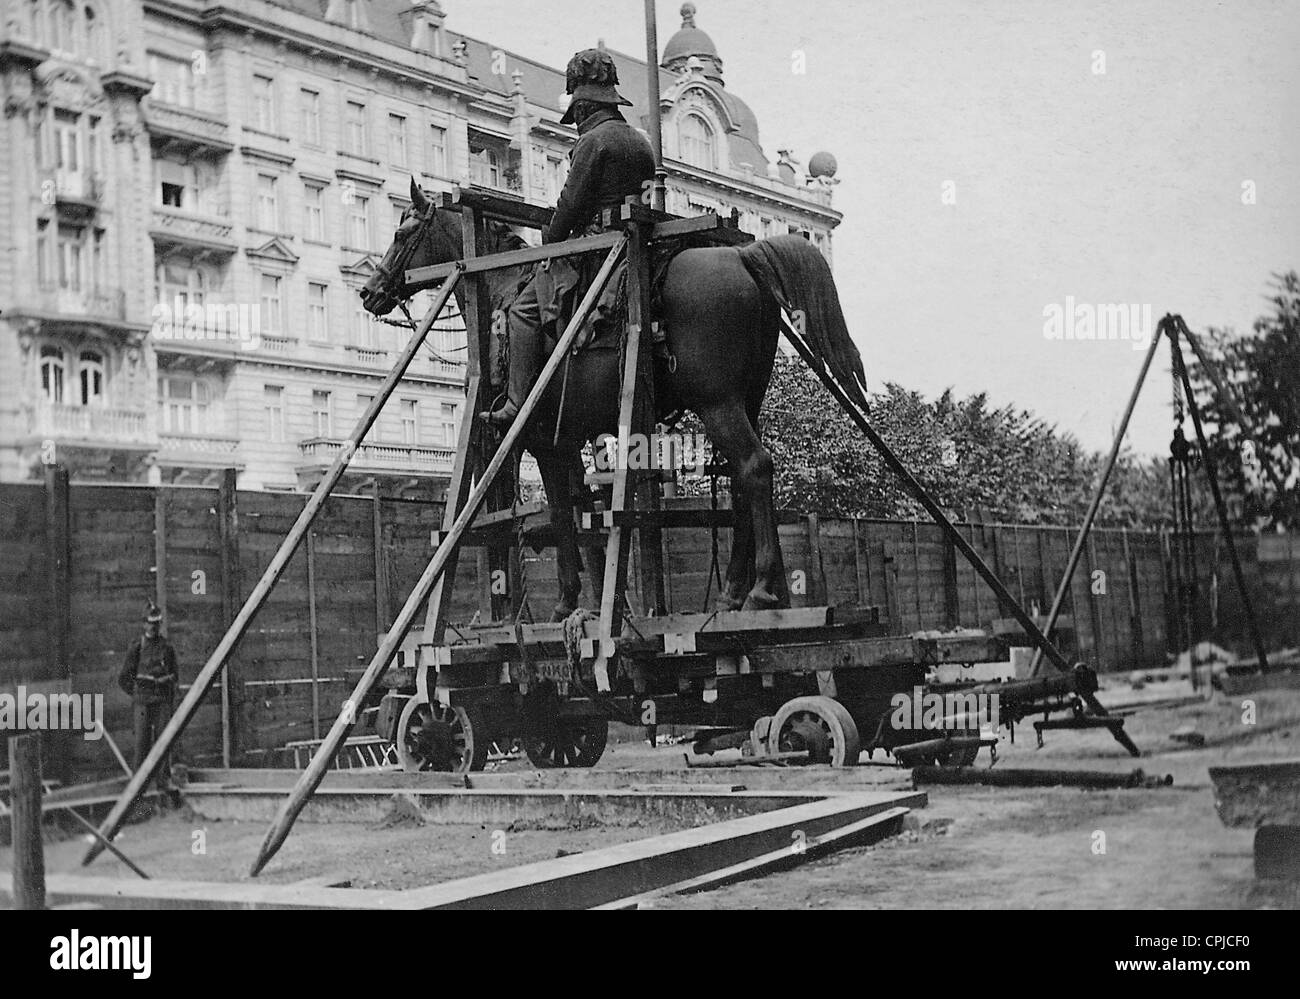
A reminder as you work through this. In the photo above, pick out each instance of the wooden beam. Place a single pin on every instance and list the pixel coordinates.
(228, 545)
(58, 559)
(25, 792)
(311, 623)
(381, 568)
(422, 277)
(208, 674)
(320, 762)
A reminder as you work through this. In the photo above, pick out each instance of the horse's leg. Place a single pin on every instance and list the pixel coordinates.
(732, 431)
(740, 567)
(555, 467)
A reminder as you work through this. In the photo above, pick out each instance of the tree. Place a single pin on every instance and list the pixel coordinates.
(1258, 461)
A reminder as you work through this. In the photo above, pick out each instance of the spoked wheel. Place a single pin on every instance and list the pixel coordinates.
(821, 726)
(576, 742)
(434, 737)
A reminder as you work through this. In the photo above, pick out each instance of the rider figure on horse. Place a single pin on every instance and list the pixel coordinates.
(610, 162)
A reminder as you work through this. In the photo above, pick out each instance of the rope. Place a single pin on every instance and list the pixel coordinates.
(574, 631)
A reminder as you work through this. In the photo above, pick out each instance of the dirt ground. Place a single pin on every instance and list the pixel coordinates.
(994, 848)
(973, 847)
(400, 855)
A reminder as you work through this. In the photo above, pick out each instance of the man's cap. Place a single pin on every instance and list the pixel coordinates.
(591, 76)
(153, 614)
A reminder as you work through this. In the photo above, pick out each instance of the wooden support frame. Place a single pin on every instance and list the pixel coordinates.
(275, 569)
(434, 571)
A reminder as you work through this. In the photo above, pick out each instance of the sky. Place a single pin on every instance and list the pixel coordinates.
(1004, 159)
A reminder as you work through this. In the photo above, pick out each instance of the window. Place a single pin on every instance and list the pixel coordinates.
(322, 413)
(180, 286)
(397, 140)
(438, 151)
(363, 403)
(354, 128)
(271, 303)
(264, 103)
(98, 274)
(178, 184)
(90, 378)
(484, 166)
(94, 35)
(557, 172)
(410, 421)
(184, 406)
(268, 208)
(317, 311)
(44, 272)
(175, 82)
(359, 222)
(53, 366)
(71, 273)
(309, 115)
(67, 140)
(363, 327)
(696, 142)
(65, 25)
(449, 422)
(273, 404)
(314, 207)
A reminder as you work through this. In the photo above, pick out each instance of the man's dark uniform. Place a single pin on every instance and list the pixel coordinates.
(610, 162)
(149, 677)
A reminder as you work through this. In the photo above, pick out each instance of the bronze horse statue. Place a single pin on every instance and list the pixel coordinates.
(720, 306)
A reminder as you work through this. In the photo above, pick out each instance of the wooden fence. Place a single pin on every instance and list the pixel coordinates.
(80, 565)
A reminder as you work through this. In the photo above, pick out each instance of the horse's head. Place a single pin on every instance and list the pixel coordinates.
(423, 238)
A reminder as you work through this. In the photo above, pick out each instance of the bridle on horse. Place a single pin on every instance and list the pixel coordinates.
(397, 270)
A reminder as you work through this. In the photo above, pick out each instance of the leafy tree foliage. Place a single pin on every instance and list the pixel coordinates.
(1258, 460)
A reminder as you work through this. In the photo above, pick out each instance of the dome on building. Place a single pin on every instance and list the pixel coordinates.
(822, 164)
(690, 42)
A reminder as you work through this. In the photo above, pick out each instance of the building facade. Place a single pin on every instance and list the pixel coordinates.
(194, 193)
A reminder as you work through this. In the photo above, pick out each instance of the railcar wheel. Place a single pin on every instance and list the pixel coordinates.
(575, 743)
(435, 737)
(820, 725)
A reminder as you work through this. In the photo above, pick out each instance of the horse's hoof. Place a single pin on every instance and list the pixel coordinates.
(725, 603)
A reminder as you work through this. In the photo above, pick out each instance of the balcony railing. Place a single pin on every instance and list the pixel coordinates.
(395, 457)
(205, 444)
(367, 355)
(185, 123)
(78, 185)
(97, 423)
(104, 303)
(179, 226)
(277, 344)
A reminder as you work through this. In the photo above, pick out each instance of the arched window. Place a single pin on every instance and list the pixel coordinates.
(94, 36)
(90, 378)
(65, 25)
(696, 142)
(53, 366)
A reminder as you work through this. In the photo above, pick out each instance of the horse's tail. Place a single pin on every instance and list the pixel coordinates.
(792, 271)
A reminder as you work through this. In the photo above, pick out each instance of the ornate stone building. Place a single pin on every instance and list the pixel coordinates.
(193, 192)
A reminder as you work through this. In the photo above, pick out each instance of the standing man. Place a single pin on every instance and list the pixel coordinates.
(610, 162)
(149, 677)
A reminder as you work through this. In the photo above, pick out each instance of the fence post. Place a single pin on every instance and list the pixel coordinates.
(25, 821)
(58, 559)
(231, 680)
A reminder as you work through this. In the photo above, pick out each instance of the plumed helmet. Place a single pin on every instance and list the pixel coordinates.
(591, 76)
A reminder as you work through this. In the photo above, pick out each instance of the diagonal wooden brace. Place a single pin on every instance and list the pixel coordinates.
(212, 668)
(316, 769)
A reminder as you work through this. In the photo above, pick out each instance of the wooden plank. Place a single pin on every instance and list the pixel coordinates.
(422, 277)
(25, 820)
(231, 680)
(58, 555)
